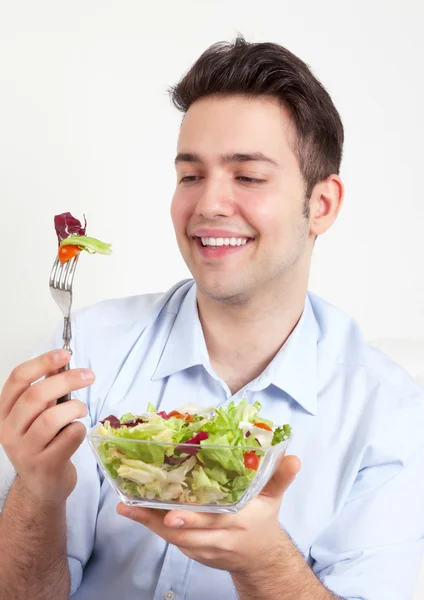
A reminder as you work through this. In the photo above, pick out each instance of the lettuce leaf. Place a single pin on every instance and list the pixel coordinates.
(218, 474)
(89, 244)
(229, 458)
(281, 434)
(205, 488)
(229, 417)
(127, 417)
(139, 471)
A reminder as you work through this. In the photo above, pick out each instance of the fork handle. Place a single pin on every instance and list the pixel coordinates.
(67, 334)
(66, 397)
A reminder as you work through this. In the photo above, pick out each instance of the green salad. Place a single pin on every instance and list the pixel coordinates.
(192, 455)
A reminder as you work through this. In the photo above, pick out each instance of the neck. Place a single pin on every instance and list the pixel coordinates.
(242, 339)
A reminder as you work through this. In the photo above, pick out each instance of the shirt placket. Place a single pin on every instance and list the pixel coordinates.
(174, 575)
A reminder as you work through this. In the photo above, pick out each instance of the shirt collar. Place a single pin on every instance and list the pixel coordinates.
(296, 373)
(181, 350)
(293, 370)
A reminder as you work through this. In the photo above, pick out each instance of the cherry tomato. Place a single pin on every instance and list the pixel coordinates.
(175, 413)
(251, 460)
(263, 426)
(65, 253)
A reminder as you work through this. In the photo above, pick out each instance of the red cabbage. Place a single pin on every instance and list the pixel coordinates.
(114, 422)
(163, 414)
(133, 423)
(65, 225)
(202, 435)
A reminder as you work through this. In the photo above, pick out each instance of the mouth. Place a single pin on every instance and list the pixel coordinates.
(219, 247)
(216, 242)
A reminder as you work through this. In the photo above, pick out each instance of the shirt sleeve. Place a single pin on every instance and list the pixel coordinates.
(373, 550)
(81, 514)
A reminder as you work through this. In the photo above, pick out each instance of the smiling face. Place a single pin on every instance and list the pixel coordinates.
(238, 207)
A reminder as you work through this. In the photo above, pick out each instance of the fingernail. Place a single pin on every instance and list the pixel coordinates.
(177, 523)
(86, 374)
(60, 355)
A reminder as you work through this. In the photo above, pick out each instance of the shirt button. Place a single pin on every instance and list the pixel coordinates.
(169, 595)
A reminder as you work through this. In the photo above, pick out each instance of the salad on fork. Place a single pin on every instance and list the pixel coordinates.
(71, 240)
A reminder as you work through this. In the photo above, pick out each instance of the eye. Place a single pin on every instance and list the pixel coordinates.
(189, 178)
(250, 179)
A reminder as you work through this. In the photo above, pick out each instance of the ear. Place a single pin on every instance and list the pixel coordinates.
(325, 204)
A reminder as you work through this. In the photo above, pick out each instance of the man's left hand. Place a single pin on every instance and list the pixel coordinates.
(240, 542)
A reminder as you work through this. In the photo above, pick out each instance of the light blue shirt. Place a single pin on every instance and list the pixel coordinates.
(356, 509)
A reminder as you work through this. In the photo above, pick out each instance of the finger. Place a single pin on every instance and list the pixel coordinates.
(151, 518)
(27, 373)
(181, 518)
(48, 404)
(65, 444)
(43, 395)
(55, 372)
(283, 477)
(51, 421)
(190, 539)
(196, 520)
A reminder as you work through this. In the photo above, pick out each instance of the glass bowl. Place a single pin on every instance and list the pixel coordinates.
(190, 476)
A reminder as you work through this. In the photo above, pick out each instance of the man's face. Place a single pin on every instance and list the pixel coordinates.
(238, 204)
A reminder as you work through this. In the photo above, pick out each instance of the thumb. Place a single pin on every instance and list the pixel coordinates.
(283, 477)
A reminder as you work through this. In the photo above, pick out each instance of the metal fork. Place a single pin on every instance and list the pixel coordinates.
(61, 278)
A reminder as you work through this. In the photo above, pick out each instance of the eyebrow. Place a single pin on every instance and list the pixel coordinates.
(226, 159)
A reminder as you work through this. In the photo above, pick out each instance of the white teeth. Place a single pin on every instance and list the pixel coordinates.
(223, 241)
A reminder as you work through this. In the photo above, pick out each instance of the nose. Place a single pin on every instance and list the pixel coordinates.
(215, 201)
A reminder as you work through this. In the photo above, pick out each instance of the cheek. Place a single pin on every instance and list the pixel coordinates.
(179, 213)
(266, 217)
(276, 214)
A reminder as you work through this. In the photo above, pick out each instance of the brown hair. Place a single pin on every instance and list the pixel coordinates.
(268, 69)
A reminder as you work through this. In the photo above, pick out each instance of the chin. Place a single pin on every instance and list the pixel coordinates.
(226, 292)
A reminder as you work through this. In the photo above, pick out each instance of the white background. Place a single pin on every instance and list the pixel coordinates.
(86, 125)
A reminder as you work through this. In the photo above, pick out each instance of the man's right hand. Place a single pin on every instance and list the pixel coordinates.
(31, 423)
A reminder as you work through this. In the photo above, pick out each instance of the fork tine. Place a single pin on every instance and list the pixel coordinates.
(63, 274)
(70, 273)
(58, 275)
(54, 272)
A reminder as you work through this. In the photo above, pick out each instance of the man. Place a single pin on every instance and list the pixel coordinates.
(257, 181)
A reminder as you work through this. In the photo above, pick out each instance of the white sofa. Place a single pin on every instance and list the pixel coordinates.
(408, 353)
